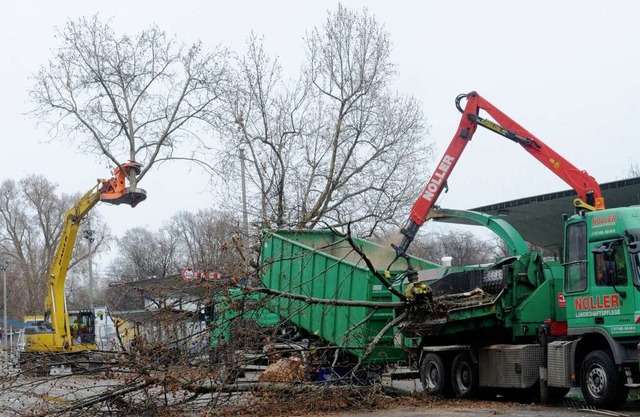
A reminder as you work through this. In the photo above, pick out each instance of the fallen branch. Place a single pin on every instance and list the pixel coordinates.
(333, 302)
(457, 296)
(79, 405)
(385, 282)
(296, 388)
(376, 340)
(223, 388)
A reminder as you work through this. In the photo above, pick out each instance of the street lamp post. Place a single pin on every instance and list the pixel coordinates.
(4, 266)
(89, 235)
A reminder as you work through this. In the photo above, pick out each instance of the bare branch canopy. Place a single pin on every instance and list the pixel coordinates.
(128, 97)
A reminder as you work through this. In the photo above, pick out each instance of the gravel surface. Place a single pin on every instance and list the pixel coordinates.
(23, 395)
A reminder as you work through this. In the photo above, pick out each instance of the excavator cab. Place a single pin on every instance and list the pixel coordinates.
(82, 326)
(115, 190)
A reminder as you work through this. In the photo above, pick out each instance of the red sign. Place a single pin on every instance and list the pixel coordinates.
(599, 221)
(188, 274)
(561, 301)
(210, 276)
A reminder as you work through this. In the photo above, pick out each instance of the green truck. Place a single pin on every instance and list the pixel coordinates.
(494, 328)
(530, 322)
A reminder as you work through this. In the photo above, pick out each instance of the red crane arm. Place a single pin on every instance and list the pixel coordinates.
(587, 188)
(424, 204)
(583, 184)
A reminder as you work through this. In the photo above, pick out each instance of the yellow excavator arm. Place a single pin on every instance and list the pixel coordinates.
(112, 191)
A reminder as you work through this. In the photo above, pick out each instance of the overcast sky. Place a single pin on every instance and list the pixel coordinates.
(565, 70)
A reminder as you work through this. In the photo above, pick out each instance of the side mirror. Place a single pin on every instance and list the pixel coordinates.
(608, 255)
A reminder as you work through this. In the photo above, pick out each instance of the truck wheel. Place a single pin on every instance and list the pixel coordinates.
(433, 375)
(601, 383)
(464, 376)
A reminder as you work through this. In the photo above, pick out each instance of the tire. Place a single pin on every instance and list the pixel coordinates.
(601, 383)
(433, 375)
(464, 376)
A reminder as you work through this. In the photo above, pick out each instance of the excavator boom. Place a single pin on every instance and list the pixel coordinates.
(112, 191)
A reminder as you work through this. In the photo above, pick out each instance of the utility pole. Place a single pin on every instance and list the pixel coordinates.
(245, 216)
(4, 266)
(89, 235)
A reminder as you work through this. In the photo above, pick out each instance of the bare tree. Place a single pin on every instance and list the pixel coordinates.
(463, 246)
(128, 97)
(367, 139)
(208, 239)
(31, 219)
(336, 145)
(633, 170)
(145, 254)
(203, 240)
(142, 254)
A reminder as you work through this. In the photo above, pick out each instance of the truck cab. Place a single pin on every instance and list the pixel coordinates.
(602, 300)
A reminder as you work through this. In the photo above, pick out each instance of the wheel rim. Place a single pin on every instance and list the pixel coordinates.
(463, 377)
(432, 375)
(597, 381)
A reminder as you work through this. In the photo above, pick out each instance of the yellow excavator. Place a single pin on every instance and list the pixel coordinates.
(54, 340)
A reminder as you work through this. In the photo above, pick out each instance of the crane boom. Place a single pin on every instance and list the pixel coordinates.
(587, 188)
(55, 304)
